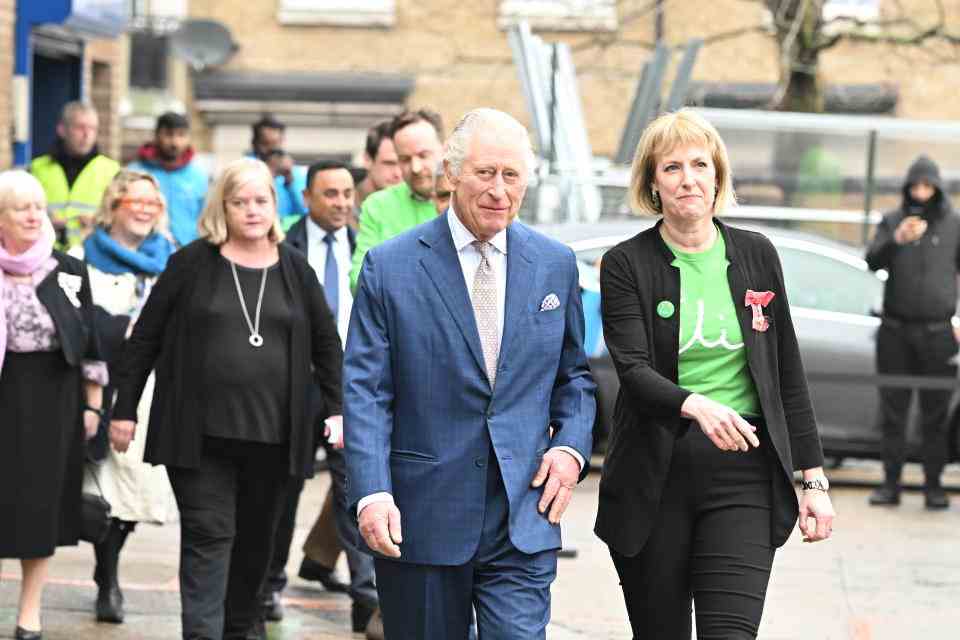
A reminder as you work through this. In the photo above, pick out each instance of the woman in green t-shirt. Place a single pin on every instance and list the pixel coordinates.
(713, 414)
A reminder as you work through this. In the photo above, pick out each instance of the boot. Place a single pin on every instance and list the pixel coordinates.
(360, 616)
(109, 597)
(887, 495)
(934, 497)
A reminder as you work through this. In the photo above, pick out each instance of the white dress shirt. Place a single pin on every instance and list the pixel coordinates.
(469, 256)
(317, 257)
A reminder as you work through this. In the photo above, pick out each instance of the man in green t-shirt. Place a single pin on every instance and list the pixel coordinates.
(417, 136)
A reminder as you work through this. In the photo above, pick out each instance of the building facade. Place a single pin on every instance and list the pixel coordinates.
(53, 53)
(332, 67)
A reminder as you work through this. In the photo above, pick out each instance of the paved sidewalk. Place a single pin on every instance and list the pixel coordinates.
(888, 574)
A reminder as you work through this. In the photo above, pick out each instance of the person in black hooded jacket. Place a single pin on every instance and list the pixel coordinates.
(919, 245)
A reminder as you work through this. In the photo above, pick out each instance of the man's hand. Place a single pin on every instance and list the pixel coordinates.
(122, 433)
(816, 516)
(560, 471)
(910, 230)
(380, 527)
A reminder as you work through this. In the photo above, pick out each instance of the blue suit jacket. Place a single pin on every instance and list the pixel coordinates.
(420, 414)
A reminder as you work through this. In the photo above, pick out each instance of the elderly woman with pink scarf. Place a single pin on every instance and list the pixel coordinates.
(51, 383)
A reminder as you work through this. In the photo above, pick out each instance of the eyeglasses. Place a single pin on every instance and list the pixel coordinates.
(139, 204)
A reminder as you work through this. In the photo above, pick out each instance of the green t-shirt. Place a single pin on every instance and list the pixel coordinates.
(385, 214)
(712, 360)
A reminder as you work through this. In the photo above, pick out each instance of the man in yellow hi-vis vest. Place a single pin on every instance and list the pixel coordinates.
(74, 174)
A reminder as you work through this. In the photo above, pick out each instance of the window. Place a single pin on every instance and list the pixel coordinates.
(148, 62)
(863, 10)
(859, 9)
(560, 15)
(819, 282)
(349, 13)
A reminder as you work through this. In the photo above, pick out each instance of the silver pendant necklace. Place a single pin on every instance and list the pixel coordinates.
(256, 340)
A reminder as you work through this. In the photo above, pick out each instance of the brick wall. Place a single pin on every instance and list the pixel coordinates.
(104, 77)
(7, 22)
(462, 60)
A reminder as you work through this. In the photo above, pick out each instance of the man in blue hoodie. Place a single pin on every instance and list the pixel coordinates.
(269, 135)
(170, 159)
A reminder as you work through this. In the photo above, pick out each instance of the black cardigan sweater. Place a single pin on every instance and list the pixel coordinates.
(165, 340)
(76, 327)
(635, 276)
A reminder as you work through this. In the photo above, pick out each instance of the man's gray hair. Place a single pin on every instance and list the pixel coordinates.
(74, 108)
(458, 144)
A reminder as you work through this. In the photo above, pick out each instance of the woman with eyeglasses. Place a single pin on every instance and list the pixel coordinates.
(236, 328)
(125, 253)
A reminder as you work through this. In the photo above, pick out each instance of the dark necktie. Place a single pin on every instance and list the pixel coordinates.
(331, 277)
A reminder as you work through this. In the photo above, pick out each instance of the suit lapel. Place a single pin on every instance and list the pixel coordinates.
(443, 267)
(520, 274)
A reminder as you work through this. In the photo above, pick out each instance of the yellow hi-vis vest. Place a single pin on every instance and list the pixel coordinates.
(67, 204)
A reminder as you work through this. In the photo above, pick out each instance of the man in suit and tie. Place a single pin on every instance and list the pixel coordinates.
(328, 243)
(469, 405)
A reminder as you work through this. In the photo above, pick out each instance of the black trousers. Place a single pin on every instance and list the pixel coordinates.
(920, 349)
(710, 546)
(228, 516)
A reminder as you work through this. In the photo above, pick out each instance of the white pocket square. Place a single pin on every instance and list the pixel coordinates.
(550, 303)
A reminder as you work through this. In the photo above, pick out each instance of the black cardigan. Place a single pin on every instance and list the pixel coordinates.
(75, 326)
(635, 276)
(165, 340)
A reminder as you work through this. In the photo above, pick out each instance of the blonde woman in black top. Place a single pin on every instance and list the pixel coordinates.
(236, 327)
(713, 415)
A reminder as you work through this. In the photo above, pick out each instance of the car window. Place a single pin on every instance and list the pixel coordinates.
(827, 284)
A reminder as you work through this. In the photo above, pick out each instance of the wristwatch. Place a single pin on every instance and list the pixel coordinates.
(816, 484)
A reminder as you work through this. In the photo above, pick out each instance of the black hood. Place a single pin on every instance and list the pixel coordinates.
(923, 169)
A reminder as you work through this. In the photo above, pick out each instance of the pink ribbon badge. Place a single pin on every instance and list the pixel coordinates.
(757, 300)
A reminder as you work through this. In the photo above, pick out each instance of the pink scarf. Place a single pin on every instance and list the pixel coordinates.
(21, 264)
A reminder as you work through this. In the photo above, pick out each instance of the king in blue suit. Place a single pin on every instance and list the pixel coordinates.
(468, 401)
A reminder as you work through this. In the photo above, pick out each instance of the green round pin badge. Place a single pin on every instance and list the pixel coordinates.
(665, 309)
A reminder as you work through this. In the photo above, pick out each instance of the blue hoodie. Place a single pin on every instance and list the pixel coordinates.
(183, 184)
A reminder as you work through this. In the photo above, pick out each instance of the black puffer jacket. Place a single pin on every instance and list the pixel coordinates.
(922, 286)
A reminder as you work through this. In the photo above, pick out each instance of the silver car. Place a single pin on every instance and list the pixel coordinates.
(835, 302)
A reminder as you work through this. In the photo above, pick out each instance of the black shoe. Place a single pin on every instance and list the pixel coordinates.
(110, 605)
(886, 495)
(273, 607)
(360, 615)
(310, 570)
(23, 634)
(935, 499)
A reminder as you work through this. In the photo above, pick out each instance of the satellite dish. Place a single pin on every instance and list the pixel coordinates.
(203, 43)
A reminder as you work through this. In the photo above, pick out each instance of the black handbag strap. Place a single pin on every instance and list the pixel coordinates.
(93, 474)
